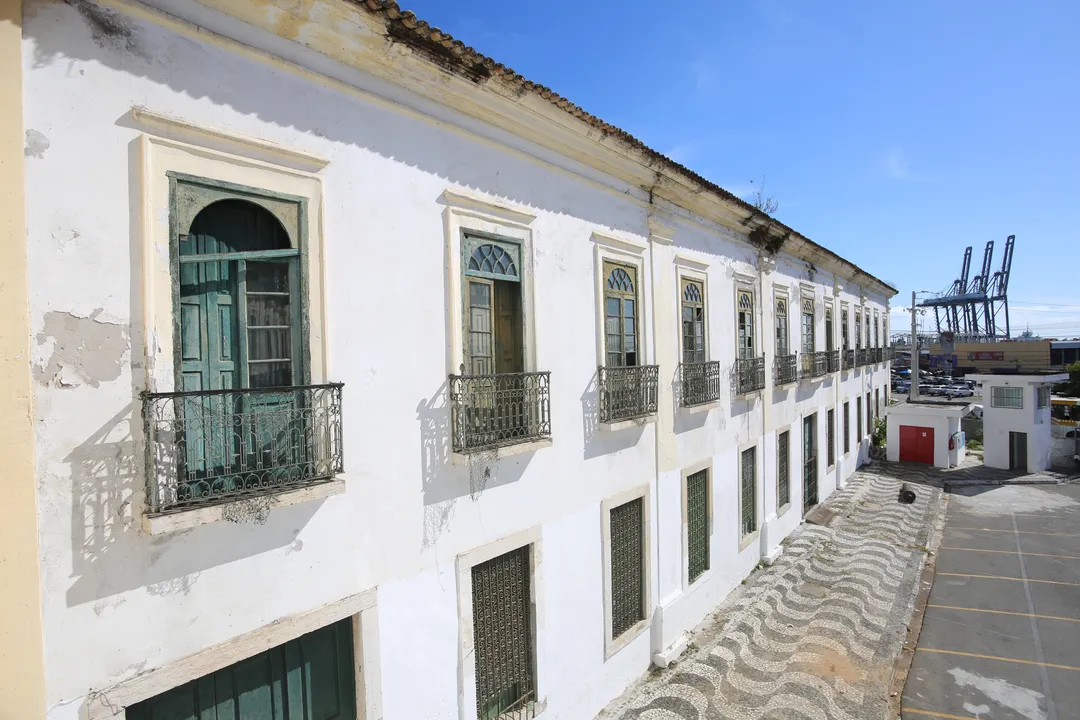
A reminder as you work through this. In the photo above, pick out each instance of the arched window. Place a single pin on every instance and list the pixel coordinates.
(808, 326)
(745, 316)
(493, 260)
(782, 343)
(693, 321)
(620, 315)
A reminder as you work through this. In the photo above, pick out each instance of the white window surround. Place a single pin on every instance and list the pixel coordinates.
(471, 212)
(628, 251)
(776, 445)
(110, 703)
(706, 465)
(612, 646)
(744, 541)
(159, 156)
(466, 638)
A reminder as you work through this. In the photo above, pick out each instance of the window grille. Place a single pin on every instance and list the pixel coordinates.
(503, 637)
(748, 495)
(858, 419)
(627, 566)
(830, 438)
(783, 475)
(1044, 397)
(877, 403)
(1007, 397)
(847, 427)
(697, 524)
(810, 485)
(869, 416)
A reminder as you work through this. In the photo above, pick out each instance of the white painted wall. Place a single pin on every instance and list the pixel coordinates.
(117, 603)
(944, 421)
(999, 422)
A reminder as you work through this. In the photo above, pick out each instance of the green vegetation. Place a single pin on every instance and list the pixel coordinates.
(1071, 387)
(880, 432)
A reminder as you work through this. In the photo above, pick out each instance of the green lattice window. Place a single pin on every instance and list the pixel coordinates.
(858, 419)
(503, 636)
(830, 438)
(627, 544)
(748, 492)
(810, 483)
(783, 474)
(697, 524)
(847, 427)
(869, 415)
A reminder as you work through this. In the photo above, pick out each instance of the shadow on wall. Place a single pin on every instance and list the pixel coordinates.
(448, 477)
(110, 552)
(207, 73)
(597, 440)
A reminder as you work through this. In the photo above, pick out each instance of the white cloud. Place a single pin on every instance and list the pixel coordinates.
(898, 168)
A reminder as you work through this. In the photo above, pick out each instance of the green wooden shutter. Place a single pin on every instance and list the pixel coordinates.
(310, 678)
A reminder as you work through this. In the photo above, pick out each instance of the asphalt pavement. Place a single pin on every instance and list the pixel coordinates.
(1001, 633)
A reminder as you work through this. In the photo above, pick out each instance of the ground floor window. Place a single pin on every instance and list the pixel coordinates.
(309, 678)
(847, 427)
(748, 492)
(869, 416)
(503, 635)
(858, 419)
(783, 475)
(627, 566)
(697, 524)
(810, 484)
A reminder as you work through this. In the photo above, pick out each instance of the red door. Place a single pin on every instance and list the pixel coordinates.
(917, 444)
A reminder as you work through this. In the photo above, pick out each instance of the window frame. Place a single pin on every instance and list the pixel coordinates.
(626, 252)
(782, 507)
(686, 278)
(781, 312)
(847, 428)
(610, 267)
(858, 420)
(745, 540)
(687, 473)
(473, 238)
(830, 438)
(845, 332)
(858, 328)
(869, 416)
(808, 322)
(745, 289)
(830, 328)
(1002, 401)
(1042, 397)
(613, 645)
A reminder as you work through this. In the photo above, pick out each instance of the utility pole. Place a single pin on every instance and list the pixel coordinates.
(914, 354)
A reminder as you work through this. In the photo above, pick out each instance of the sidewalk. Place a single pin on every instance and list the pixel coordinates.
(816, 634)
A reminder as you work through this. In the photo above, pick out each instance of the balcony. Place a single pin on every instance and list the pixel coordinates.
(491, 411)
(627, 393)
(785, 369)
(749, 375)
(699, 383)
(213, 446)
(815, 364)
(833, 361)
(849, 359)
(862, 357)
(889, 354)
(875, 356)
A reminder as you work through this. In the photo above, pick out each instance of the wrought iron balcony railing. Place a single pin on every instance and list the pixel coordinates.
(890, 354)
(699, 383)
(212, 446)
(785, 369)
(815, 364)
(626, 393)
(849, 359)
(862, 357)
(749, 375)
(834, 360)
(873, 356)
(488, 411)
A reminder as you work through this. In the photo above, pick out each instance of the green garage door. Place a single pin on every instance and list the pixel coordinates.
(310, 678)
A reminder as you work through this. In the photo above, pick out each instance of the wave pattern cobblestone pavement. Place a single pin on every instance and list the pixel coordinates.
(816, 634)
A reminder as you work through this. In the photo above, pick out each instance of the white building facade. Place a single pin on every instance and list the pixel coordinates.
(367, 387)
(1016, 420)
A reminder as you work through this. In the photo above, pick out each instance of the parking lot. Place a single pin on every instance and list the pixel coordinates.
(1001, 631)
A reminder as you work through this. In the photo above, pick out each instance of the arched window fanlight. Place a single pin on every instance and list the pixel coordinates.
(692, 293)
(781, 307)
(808, 307)
(620, 280)
(494, 260)
(746, 301)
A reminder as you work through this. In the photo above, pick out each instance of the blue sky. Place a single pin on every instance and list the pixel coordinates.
(895, 134)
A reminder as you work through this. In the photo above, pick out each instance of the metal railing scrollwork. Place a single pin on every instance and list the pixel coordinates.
(212, 446)
(785, 369)
(490, 411)
(749, 375)
(627, 393)
(834, 360)
(699, 383)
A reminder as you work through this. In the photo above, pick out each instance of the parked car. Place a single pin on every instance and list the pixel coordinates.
(954, 391)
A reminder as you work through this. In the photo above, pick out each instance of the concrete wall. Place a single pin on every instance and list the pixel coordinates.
(1032, 420)
(22, 687)
(943, 424)
(1063, 450)
(388, 182)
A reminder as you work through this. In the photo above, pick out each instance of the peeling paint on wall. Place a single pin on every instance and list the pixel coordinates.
(82, 350)
(36, 144)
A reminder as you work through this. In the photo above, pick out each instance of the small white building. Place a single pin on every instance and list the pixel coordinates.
(1016, 420)
(926, 431)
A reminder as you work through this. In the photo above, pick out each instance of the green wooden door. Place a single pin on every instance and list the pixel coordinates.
(310, 678)
(238, 328)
